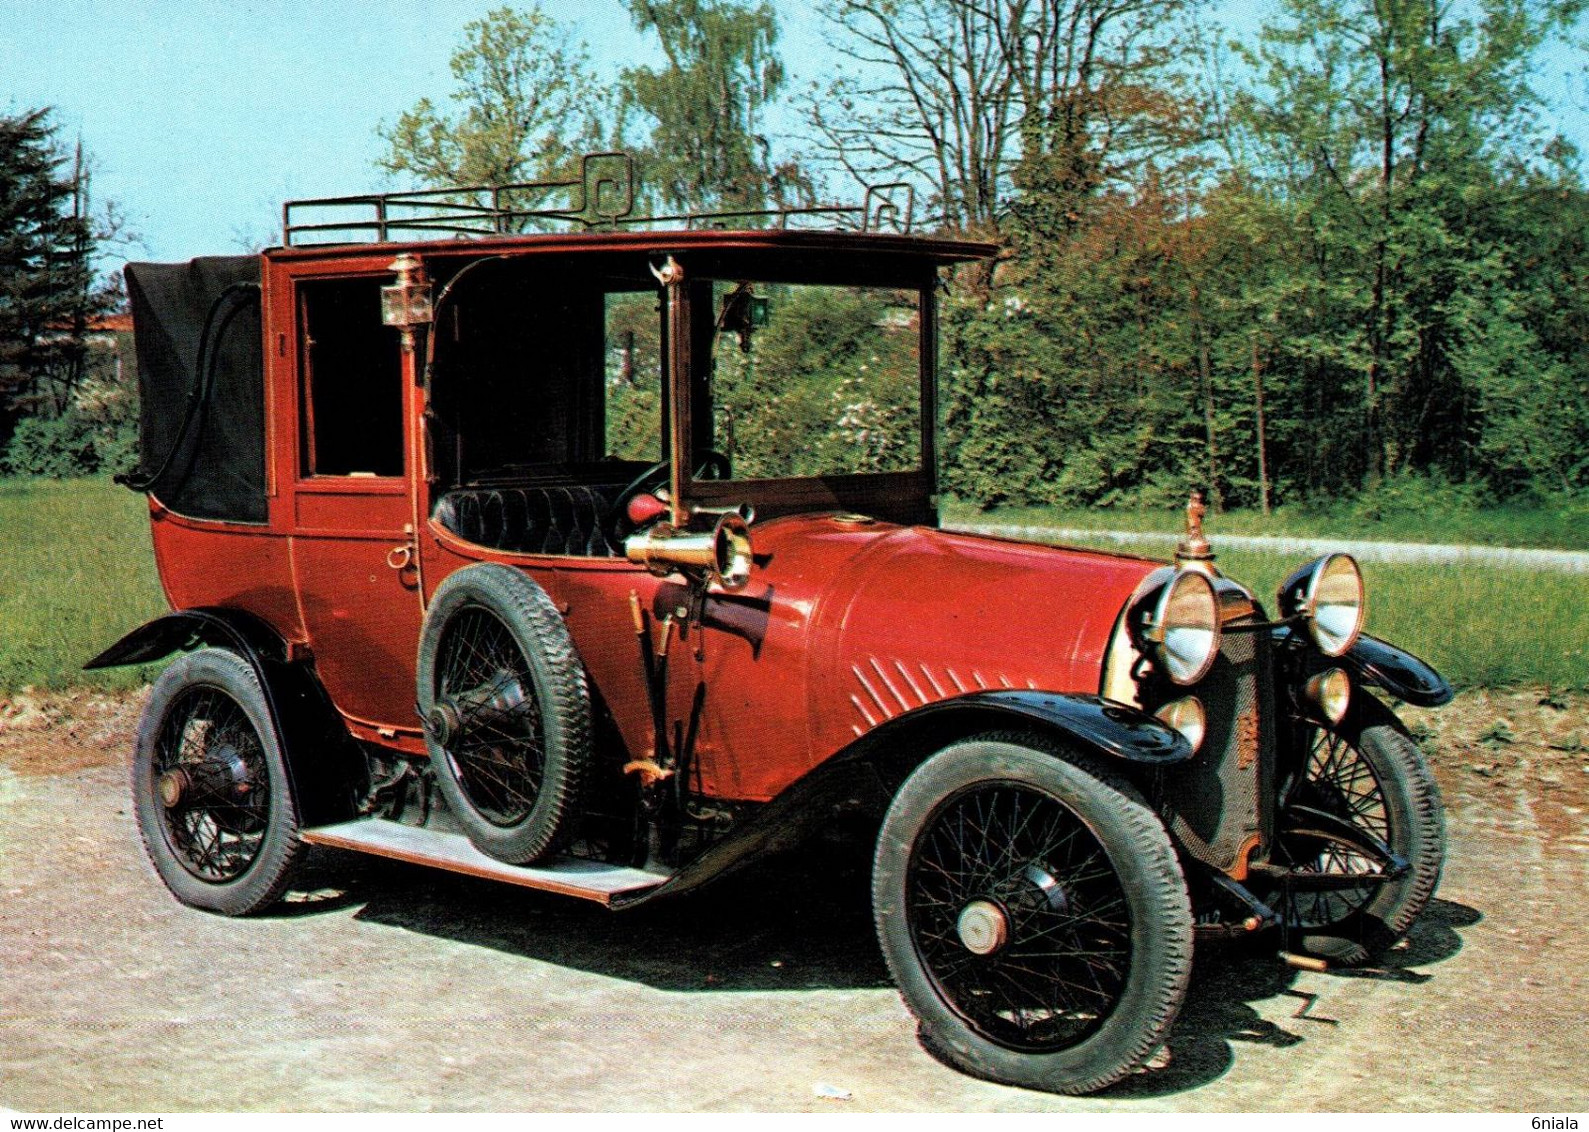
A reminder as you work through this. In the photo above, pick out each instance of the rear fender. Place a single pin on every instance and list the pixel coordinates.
(329, 773)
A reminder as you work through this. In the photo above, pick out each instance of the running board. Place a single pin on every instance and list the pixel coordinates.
(568, 876)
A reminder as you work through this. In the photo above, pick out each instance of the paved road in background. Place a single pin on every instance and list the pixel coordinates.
(1571, 561)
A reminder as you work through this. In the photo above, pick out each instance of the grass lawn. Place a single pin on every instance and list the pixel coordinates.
(78, 574)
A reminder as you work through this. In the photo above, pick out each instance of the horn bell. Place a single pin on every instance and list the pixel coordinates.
(721, 555)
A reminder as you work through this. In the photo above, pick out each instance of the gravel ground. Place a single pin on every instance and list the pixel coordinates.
(381, 987)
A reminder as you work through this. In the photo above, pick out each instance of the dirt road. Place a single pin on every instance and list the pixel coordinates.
(388, 987)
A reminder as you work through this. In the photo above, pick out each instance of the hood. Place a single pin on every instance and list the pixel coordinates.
(898, 617)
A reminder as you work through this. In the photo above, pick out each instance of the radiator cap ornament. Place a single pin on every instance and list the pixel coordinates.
(1194, 552)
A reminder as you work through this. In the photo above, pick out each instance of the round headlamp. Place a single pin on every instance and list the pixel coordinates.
(1328, 592)
(1187, 716)
(1181, 628)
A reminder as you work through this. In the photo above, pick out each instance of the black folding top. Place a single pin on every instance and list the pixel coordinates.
(201, 383)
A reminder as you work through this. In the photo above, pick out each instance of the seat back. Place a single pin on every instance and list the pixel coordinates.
(568, 519)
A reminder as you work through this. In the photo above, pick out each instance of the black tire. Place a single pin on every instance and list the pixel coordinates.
(1370, 772)
(506, 710)
(1004, 843)
(210, 787)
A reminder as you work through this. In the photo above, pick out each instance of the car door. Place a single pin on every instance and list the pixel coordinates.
(352, 521)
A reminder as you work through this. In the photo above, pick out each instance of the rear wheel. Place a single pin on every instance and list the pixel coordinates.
(210, 787)
(1370, 778)
(1034, 915)
(506, 711)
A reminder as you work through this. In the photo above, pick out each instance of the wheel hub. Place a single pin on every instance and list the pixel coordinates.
(983, 926)
(442, 722)
(173, 785)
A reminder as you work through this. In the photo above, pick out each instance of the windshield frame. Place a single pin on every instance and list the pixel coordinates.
(906, 497)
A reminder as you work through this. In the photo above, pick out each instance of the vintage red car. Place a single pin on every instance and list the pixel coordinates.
(603, 557)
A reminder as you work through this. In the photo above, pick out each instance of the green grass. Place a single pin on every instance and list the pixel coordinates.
(1399, 516)
(1481, 627)
(77, 574)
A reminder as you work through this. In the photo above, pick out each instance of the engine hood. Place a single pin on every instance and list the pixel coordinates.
(898, 617)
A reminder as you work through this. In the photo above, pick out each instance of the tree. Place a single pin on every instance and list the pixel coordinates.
(526, 105)
(1389, 127)
(707, 148)
(48, 292)
(975, 99)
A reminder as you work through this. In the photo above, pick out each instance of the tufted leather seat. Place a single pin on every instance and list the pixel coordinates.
(531, 520)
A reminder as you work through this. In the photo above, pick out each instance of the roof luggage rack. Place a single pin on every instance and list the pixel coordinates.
(603, 195)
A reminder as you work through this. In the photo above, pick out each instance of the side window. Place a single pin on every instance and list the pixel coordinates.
(352, 396)
(633, 378)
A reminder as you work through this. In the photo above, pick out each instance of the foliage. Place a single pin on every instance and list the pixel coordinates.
(72, 444)
(526, 105)
(828, 386)
(707, 149)
(975, 100)
(1379, 281)
(48, 292)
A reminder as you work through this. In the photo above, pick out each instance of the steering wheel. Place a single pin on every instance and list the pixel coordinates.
(709, 464)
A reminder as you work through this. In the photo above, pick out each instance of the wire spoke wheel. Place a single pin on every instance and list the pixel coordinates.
(1339, 780)
(499, 754)
(210, 786)
(1369, 777)
(1054, 948)
(209, 763)
(506, 710)
(1033, 912)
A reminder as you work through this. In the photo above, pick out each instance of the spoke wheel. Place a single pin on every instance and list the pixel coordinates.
(1034, 915)
(506, 711)
(210, 786)
(497, 750)
(1370, 775)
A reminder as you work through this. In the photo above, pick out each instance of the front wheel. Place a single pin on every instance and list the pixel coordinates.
(1033, 913)
(1370, 778)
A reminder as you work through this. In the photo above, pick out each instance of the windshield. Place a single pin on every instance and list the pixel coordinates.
(815, 380)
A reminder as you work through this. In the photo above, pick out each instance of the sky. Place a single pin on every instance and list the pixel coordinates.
(202, 117)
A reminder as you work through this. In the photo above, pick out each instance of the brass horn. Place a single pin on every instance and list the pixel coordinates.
(722, 554)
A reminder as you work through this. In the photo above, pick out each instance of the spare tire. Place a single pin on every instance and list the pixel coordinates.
(506, 710)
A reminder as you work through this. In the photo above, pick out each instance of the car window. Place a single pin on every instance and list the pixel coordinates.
(812, 380)
(351, 399)
(633, 377)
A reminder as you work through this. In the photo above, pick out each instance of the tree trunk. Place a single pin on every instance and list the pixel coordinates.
(1257, 397)
(1205, 370)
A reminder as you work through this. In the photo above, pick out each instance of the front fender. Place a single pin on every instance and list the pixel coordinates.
(1097, 726)
(863, 777)
(1399, 672)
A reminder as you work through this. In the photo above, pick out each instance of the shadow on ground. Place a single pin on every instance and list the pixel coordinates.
(805, 924)
(1226, 982)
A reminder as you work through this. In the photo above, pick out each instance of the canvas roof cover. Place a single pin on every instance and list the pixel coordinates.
(201, 386)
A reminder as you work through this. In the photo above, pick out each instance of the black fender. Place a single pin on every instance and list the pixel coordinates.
(863, 777)
(1397, 671)
(329, 774)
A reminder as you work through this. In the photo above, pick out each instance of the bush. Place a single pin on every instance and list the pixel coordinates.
(71, 445)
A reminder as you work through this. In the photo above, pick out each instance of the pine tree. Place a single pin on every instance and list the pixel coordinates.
(48, 295)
